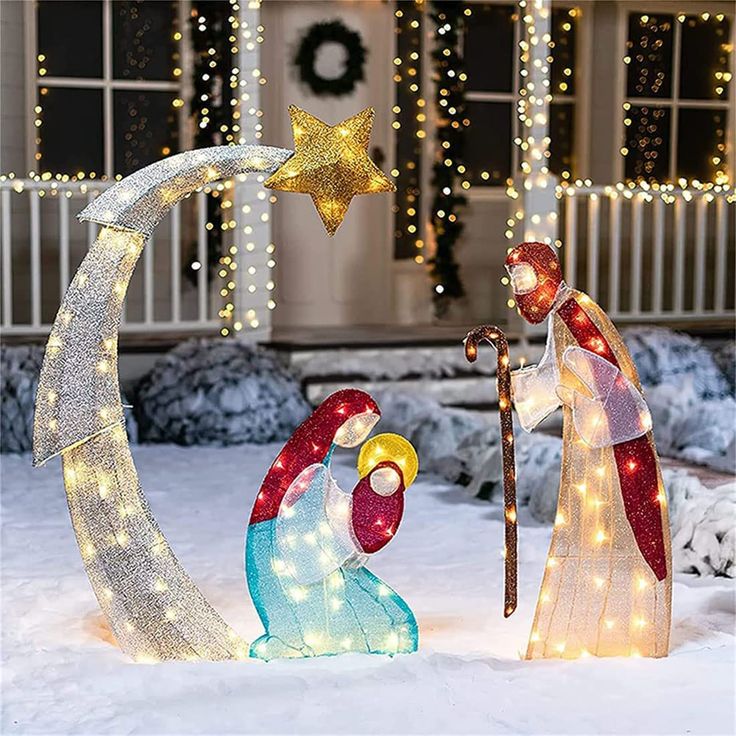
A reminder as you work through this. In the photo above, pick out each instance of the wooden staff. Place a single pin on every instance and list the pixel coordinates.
(503, 384)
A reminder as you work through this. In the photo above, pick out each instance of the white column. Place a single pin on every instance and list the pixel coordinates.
(540, 203)
(252, 210)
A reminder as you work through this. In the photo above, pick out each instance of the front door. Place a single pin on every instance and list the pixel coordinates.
(344, 280)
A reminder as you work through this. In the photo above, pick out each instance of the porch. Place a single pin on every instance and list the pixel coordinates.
(653, 256)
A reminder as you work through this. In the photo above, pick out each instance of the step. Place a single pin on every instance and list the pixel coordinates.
(466, 391)
(438, 371)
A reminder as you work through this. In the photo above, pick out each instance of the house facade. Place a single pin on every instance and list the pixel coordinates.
(606, 127)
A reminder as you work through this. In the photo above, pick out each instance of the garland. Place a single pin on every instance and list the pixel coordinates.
(448, 169)
(331, 32)
(210, 108)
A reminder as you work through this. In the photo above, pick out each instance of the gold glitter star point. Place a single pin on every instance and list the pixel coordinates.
(331, 164)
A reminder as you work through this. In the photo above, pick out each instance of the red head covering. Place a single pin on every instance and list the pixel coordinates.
(536, 304)
(310, 443)
(375, 517)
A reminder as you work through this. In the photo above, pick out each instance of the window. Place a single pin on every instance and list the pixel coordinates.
(491, 55)
(676, 113)
(108, 85)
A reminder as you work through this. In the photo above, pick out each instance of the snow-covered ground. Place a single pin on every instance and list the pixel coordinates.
(62, 675)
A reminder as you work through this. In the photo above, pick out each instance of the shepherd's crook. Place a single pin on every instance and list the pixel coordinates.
(503, 385)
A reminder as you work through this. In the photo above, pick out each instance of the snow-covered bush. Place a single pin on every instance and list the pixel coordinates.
(690, 428)
(703, 522)
(538, 458)
(20, 366)
(19, 369)
(725, 358)
(690, 393)
(218, 392)
(664, 356)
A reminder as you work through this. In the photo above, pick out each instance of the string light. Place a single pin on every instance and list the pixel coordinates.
(536, 213)
(450, 176)
(410, 116)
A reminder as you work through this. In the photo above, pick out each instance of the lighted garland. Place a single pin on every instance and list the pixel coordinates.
(448, 169)
(331, 32)
(410, 118)
(211, 109)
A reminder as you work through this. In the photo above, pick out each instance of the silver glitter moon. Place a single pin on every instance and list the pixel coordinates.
(153, 607)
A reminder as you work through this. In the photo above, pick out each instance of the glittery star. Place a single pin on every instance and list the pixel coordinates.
(331, 164)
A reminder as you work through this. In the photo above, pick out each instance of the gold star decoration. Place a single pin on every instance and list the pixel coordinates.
(331, 164)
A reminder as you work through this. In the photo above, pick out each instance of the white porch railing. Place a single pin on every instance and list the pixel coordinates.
(42, 243)
(648, 255)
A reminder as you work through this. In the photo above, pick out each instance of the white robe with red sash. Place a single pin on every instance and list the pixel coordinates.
(607, 586)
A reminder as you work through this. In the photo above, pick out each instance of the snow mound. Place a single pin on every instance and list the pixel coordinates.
(20, 366)
(664, 356)
(218, 392)
(435, 431)
(691, 428)
(703, 524)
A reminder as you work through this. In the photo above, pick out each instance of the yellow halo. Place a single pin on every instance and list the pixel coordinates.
(392, 447)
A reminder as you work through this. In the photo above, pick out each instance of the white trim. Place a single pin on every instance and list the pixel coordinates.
(84, 82)
(487, 193)
(619, 139)
(674, 108)
(107, 102)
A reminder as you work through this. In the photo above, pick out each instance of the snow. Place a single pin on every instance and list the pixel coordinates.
(703, 525)
(61, 674)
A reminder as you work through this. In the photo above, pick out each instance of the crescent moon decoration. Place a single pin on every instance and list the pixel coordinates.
(154, 609)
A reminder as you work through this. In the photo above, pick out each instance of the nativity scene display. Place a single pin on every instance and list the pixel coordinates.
(308, 541)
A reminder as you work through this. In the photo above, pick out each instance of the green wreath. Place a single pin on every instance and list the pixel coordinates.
(333, 32)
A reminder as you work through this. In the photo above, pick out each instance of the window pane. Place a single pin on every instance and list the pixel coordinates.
(489, 48)
(702, 144)
(71, 133)
(143, 39)
(564, 23)
(561, 132)
(488, 142)
(648, 143)
(649, 49)
(705, 58)
(70, 38)
(146, 128)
